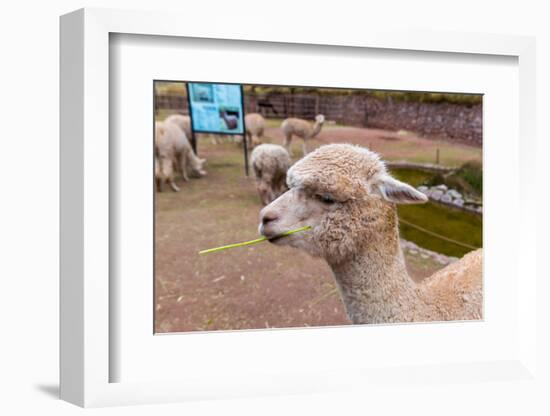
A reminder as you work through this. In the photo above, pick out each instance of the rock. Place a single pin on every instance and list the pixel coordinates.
(479, 209)
(423, 189)
(458, 202)
(446, 198)
(413, 249)
(441, 187)
(453, 193)
(436, 194)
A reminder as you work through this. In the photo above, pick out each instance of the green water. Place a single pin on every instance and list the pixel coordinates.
(413, 177)
(446, 221)
(451, 223)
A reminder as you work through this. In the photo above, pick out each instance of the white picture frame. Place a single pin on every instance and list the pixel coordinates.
(86, 356)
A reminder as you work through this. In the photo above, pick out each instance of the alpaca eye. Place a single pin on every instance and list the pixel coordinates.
(326, 199)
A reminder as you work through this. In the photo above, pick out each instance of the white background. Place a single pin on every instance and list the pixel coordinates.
(29, 208)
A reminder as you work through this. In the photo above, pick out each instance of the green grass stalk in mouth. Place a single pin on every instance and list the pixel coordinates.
(256, 241)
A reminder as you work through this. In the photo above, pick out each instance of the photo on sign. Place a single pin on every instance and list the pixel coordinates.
(202, 93)
(230, 116)
(297, 206)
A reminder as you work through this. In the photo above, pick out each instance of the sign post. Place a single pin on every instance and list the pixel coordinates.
(217, 109)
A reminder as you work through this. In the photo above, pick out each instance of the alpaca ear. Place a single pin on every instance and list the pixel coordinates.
(399, 192)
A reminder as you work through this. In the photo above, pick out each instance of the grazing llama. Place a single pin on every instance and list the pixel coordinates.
(174, 153)
(270, 163)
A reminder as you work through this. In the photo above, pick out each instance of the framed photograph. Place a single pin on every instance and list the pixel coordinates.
(285, 213)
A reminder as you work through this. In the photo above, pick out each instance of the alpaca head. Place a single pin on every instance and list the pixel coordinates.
(267, 194)
(263, 180)
(347, 197)
(269, 184)
(197, 167)
(319, 118)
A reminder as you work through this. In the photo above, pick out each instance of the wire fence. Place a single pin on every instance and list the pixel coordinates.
(458, 122)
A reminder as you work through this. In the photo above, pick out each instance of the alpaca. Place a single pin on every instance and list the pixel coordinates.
(231, 121)
(301, 128)
(346, 195)
(270, 163)
(183, 122)
(172, 149)
(255, 125)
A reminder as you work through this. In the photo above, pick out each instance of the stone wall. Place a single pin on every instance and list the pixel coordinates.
(449, 121)
(458, 122)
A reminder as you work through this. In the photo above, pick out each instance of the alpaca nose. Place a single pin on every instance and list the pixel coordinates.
(268, 217)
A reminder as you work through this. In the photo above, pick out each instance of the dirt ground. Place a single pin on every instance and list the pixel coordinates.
(391, 145)
(261, 286)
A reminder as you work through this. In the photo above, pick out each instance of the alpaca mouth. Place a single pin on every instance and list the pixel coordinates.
(279, 239)
(274, 237)
(270, 235)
